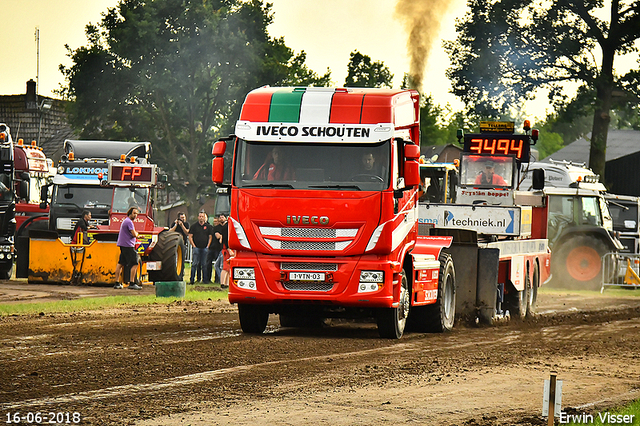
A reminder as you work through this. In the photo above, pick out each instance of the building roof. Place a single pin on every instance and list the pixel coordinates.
(620, 143)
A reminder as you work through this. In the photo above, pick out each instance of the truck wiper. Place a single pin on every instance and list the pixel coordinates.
(356, 187)
(269, 185)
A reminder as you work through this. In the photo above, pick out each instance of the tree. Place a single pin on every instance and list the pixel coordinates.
(365, 73)
(174, 73)
(506, 49)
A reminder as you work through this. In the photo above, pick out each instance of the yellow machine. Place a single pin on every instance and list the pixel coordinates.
(51, 260)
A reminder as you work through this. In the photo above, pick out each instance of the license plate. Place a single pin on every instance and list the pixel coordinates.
(306, 276)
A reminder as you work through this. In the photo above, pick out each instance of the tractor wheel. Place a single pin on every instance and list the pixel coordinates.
(169, 250)
(578, 263)
(439, 317)
(253, 318)
(391, 321)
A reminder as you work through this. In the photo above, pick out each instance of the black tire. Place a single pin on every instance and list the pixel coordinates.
(392, 321)
(253, 318)
(516, 301)
(532, 301)
(6, 275)
(439, 317)
(577, 263)
(169, 250)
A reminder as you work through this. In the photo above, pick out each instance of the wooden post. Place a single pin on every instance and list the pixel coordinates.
(552, 399)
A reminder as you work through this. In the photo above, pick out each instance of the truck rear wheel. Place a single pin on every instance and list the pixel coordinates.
(578, 263)
(253, 318)
(532, 300)
(169, 250)
(392, 321)
(517, 301)
(439, 317)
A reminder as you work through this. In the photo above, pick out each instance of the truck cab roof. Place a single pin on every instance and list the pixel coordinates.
(108, 150)
(562, 174)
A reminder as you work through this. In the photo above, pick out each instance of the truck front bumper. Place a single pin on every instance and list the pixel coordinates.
(336, 281)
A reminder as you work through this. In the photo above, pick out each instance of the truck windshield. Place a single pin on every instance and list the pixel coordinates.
(625, 216)
(486, 171)
(312, 166)
(124, 198)
(6, 193)
(83, 197)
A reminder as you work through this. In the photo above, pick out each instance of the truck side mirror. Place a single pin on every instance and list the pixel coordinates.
(217, 165)
(44, 195)
(538, 179)
(23, 189)
(411, 165)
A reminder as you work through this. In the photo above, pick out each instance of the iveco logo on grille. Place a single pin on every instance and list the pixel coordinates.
(307, 220)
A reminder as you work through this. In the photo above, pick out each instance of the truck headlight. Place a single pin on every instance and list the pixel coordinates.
(244, 274)
(372, 276)
(370, 281)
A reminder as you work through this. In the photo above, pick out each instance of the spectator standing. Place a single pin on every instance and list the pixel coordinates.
(214, 251)
(222, 235)
(128, 261)
(181, 226)
(200, 235)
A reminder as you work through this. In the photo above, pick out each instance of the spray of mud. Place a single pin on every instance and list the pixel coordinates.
(422, 19)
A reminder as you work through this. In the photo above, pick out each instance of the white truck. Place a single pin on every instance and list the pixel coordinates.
(580, 227)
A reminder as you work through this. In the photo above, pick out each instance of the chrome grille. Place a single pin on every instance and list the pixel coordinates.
(308, 245)
(308, 232)
(307, 285)
(291, 266)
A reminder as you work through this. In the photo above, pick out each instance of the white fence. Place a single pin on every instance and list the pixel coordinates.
(621, 270)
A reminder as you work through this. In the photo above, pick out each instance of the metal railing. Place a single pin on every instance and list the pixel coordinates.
(621, 270)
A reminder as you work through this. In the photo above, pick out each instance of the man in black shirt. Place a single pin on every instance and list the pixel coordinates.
(222, 235)
(181, 226)
(214, 251)
(200, 235)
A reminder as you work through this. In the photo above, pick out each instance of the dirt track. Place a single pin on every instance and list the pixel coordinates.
(189, 363)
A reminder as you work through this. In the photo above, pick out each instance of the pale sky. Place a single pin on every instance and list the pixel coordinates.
(328, 31)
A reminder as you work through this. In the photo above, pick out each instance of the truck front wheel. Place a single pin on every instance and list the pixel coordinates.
(253, 318)
(391, 321)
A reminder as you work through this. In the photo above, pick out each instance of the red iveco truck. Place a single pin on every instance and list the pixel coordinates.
(324, 214)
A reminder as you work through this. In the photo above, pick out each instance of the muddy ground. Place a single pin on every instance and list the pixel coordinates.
(189, 364)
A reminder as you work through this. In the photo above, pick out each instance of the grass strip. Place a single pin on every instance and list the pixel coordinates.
(94, 303)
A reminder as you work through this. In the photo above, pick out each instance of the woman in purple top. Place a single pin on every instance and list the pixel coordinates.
(128, 256)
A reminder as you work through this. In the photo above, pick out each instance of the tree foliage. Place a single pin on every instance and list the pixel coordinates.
(174, 73)
(505, 49)
(363, 72)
